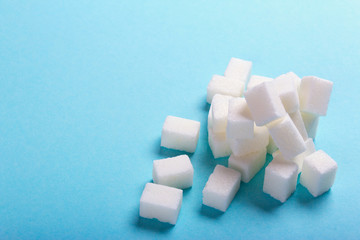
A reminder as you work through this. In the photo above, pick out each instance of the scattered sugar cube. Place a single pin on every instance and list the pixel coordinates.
(271, 147)
(225, 86)
(286, 137)
(239, 122)
(280, 179)
(311, 123)
(238, 69)
(255, 80)
(315, 95)
(220, 111)
(175, 172)
(288, 93)
(180, 134)
(161, 202)
(264, 103)
(318, 173)
(218, 144)
(299, 123)
(241, 147)
(249, 164)
(221, 188)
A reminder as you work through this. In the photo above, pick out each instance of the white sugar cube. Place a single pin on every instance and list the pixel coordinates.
(241, 147)
(264, 103)
(271, 147)
(299, 123)
(255, 80)
(249, 164)
(218, 144)
(286, 137)
(239, 122)
(288, 93)
(161, 202)
(315, 95)
(175, 172)
(311, 123)
(318, 173)
(291, 76)
(221, 188)
(220, 111)
(238, 69)
(225, 86)
(280, 179)
(180, 134)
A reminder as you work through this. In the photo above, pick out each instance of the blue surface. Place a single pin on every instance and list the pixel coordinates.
(86, 85)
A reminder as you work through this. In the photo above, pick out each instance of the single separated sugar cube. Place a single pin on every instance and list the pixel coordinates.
(180, 134)
(280, 179)
(315, 95)
(220, 111)
(299, 123)
(249, 164)
(221, 188)
(311, 123)
(241, 147)
(175, 172)
(161, 202)
(287, 137)
(240, 124)
(255, 80)
(264, 103)
(318, 173)
(225, 86)
(238, 69)
(288, 93)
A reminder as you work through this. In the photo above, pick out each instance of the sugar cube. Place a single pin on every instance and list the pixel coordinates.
(248, 165)
(221, 188)
(239, 122)
(292, 77)
(299, 123)
(286, 137)
(220, 110)
(255, 80)
(311, 123)
(264, 103)
(318, 173)
(161, 202)
(238, 69)
(271, 147)
(180, 134)
(280, 179)
(175, 172)
(315, 95)
(225, 86)
(288, 93)
(218, 143)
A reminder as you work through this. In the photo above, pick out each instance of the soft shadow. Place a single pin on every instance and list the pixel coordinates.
(305, 198)
(210, 212)
(206, 107)
(165, 152)
(186, 191)
(153, 225)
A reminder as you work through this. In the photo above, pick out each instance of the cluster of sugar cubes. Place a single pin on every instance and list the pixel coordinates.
(275, 116)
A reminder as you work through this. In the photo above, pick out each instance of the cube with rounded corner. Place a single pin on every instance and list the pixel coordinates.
(238, 69)
(175, 172)
(318, 173)
(248, 165)
(264, 103)
(315, 95)
(221, 188)
(291, 76)
(180, 134)
(161, 202)
(255, 80)
(225, 86)
(239, 121)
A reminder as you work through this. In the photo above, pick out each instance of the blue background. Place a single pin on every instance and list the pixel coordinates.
(85, 87)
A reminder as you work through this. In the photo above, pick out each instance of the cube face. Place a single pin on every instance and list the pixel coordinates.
(311, 123)
(218, 144)
(310, 148)
(175, 172)
(180, 134)
(256, 80)
(225, 86)
(240, 124)
(318, 173)
(264, 103)
(271, 147)
(160, 202)
(315, 95)
(299, 123)
(288, 93)
(221, 188)
(248, 165)
(291, 76)
(241, 147)
(286, 137)
(238, 69)
(220, 111)
(280, 179)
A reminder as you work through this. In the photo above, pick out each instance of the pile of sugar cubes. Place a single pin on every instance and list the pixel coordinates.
(273, 116)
